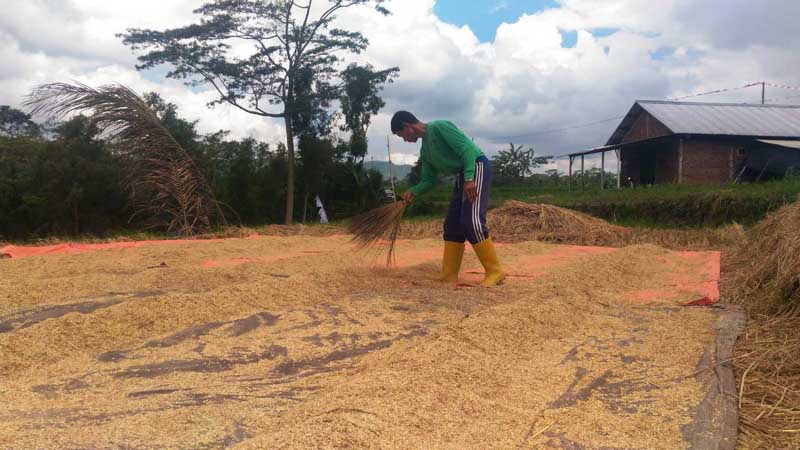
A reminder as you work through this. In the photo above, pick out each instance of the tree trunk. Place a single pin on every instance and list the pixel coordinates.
(305, 205)
(290, 170)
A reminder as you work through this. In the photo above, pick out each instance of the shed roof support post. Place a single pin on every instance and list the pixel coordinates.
(602, 171)
(619, 168)
(680, 161)
(730, 164)
(571, 158)
(583, 174)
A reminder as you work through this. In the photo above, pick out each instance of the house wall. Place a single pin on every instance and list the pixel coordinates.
(707, 161)
(630, 166)
(704, 161)
(664, 155)
(646, 127)
(667, 160)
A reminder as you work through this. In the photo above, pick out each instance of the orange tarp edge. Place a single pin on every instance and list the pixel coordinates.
(15, 251)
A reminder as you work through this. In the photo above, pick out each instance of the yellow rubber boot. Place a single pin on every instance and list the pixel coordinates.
(451, 263)
(488, 257)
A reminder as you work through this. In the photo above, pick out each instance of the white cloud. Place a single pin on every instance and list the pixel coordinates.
(499, 6)
(404, 158)
(522, 83)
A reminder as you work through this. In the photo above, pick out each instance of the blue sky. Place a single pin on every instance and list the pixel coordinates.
(484, 16)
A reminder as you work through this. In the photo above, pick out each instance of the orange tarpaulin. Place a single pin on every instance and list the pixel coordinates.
(702, 281)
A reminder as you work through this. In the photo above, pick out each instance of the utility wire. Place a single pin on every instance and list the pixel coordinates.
(718, 91)
(701, 94)
(556, 130)
(781, 86)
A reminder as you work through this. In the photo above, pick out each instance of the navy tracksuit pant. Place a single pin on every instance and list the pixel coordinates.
(466, 221)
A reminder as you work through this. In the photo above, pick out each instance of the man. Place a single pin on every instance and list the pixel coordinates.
(446, 150)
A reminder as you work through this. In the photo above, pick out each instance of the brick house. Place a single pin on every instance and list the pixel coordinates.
(680, 142)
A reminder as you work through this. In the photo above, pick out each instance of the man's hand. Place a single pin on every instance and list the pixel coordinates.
(471, 190)
(408, 196)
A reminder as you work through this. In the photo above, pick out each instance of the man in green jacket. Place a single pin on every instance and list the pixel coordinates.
(447, 151)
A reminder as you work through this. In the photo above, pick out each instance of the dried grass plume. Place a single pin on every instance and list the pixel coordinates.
(166, 184)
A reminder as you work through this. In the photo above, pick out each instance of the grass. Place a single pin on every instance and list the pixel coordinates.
(657, 207)
(660, 206)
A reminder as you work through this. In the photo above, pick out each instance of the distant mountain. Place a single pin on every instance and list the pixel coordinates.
(399, 171)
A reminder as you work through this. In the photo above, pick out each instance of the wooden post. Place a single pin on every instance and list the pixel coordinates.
(583, 174)
(730, 164)
(391, 172)
(619, 168)
(602, 171)
(680, 160)
(570, 172)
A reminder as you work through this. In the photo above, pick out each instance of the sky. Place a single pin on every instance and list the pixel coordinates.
(531, 72)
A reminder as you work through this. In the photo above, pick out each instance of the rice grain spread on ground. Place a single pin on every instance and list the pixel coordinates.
(297, 342)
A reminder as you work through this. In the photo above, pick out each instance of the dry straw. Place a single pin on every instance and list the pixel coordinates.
(767, 265)
(378, 228)
(763, 274)
(768, 383)
(515, 221)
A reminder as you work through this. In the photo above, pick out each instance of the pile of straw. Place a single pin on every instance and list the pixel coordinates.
(519, 221)
(767, 363)
(378, 228)
(763, 274)
(767, 265)
(299, 230)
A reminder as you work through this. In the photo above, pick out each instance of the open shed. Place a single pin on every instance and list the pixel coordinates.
(683, 142)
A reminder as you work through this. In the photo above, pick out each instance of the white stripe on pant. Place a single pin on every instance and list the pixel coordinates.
(476, 205)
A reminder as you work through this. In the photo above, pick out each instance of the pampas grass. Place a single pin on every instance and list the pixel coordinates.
(378, 228)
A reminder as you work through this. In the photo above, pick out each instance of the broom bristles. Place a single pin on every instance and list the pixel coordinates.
(380, 225)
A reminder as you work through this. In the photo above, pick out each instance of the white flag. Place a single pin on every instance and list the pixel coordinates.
(323, 218)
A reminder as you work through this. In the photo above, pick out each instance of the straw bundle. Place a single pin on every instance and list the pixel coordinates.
(763, 274)
(515, 221)
(768, 372)
(768, 264)
(378, 226)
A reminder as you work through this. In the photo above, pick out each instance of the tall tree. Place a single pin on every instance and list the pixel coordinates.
(286, 38)
(15, 123)
(515, 163)
(184, 131)
(415, 175)
(360, 101)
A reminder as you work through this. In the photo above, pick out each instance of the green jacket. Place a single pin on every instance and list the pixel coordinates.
(445, 151)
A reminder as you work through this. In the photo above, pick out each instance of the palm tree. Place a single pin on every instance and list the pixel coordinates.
(165, 183)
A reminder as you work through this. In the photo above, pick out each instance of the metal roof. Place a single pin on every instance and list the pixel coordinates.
(621, 145)
(787, 144)
(726, 119)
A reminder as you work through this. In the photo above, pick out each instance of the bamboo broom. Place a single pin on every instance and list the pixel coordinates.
(379, 226)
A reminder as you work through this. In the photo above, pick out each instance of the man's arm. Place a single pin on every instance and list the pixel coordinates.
(428, 180)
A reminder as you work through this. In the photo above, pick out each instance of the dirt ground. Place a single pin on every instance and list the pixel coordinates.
(301, 343)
